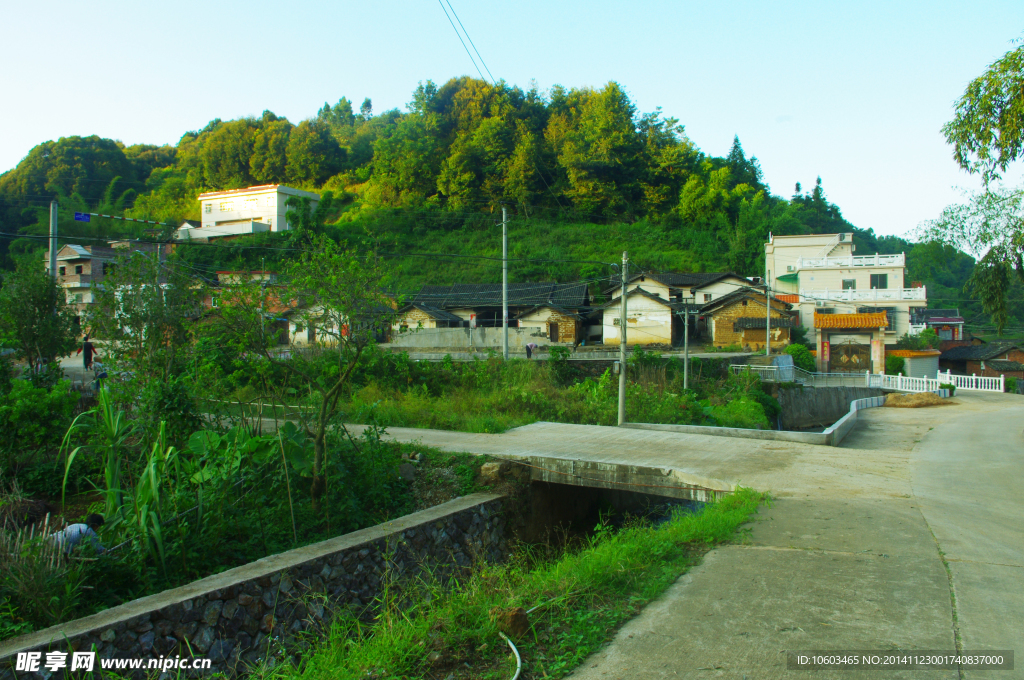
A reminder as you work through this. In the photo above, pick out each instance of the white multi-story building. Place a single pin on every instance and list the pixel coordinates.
(237, 212)
(821, 274)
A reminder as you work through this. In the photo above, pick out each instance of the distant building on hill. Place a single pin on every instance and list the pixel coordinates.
(820, 274)
(240, 212)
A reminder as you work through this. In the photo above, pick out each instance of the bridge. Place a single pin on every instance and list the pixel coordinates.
(899, 383)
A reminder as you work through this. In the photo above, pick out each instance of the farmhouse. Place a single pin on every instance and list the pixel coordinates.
(650, 319)
(740, 318)
(989, 359)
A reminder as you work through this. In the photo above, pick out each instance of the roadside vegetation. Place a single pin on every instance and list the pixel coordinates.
(576, 600)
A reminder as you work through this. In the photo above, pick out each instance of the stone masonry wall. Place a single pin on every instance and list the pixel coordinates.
(241, 616)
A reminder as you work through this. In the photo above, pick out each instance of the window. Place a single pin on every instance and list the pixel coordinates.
(215, 301)
(250, 203)
(78, 269)
(825, 310)
(207, 208)
(880, 281)
(107, 268)
(707, 297)
(62, 271)
(227, 206)
(890, 315)
(270, 201)
(849, 284)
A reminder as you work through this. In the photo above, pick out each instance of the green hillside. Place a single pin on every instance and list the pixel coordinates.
(583, 173)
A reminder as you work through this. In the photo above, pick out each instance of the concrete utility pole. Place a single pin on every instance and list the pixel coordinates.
(686, 344)
(53, 239)
(768, 318)
(622, 343)
(504, 281)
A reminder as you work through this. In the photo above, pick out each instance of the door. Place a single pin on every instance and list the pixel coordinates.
(849, 356)
(553, 332)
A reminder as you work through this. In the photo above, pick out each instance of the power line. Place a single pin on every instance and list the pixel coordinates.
(461, 40)
(470, 42)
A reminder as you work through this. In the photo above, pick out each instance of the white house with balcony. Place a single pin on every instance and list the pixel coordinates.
(241, 212)
(821, 274)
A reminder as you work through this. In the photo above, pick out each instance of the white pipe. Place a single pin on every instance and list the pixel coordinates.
(519, 661)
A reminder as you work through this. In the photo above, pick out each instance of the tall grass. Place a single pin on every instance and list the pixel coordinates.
(577, 600)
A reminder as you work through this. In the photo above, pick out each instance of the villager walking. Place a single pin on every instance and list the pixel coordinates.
(87, 351)
(72, 535)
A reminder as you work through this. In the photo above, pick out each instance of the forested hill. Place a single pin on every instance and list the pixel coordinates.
(584, 173)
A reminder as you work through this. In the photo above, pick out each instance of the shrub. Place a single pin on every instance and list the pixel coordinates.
(33, 417)
(948, 386)
(1011, 384)
(801, 357)
(561, 370)
(894, 365)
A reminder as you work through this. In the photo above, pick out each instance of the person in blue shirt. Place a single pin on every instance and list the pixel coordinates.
(71, 536)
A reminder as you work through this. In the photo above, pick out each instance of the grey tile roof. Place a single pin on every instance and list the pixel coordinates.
(760, 322)
(1004, 365)
(459, 295)
(674, 306)
(432, 312)
(977, 352)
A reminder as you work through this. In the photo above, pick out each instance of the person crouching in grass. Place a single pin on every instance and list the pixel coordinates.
(74, 534)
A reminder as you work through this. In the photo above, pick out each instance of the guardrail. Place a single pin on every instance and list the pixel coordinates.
(869, 295)
(852, 261)
(902, 383)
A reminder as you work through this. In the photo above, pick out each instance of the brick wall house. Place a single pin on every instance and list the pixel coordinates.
(740, 319)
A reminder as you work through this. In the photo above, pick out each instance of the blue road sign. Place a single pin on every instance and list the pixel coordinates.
(81, 217)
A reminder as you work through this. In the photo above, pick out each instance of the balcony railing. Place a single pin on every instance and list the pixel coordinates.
(852, 261)
(870, 295)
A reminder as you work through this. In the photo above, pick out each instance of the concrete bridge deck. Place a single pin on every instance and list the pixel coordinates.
(908, 537)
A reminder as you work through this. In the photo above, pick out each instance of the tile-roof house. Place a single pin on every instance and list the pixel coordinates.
(704, 287)
(554, 310)
(985, 360)
(739, 318)
(651, 319)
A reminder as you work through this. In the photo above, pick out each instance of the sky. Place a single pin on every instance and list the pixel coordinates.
(855, 93)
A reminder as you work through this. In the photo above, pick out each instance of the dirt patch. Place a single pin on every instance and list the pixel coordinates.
(919, 400)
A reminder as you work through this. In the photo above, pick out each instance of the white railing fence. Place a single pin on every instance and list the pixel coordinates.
(974, 382)
(900, 382)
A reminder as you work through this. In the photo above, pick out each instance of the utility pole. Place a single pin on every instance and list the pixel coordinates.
(504, 281)
(686, 344)
(53, 239)
(768, 317)
(622, 343)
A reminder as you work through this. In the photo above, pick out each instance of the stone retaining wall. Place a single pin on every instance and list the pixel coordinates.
(233, 618)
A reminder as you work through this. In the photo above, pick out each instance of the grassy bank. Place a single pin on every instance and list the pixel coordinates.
(580, 597)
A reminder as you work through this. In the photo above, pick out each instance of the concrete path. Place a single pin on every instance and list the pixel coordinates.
(908, 537)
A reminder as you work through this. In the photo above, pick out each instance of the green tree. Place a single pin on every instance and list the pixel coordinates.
(35, 320)
(313, 154)
(267, 165)
(342, 297)
(987, 133)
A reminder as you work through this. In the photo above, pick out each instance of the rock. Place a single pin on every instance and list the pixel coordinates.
(220, 650)
(211, 612)
(512, 621)
(108, 635)
(492, 473)
(434, 657)
(146, 641)
(407, 471)
(268, 597)
(244, 599)
(184, 631)
(267, 624)
(204, 639)
(286, 585)
(230, 607)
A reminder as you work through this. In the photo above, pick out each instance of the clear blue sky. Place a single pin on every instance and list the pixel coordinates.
(853, 92)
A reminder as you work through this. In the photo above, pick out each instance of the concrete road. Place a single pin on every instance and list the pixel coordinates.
(909, 537)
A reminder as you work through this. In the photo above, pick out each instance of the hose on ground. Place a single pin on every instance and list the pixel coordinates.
(519, 660)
